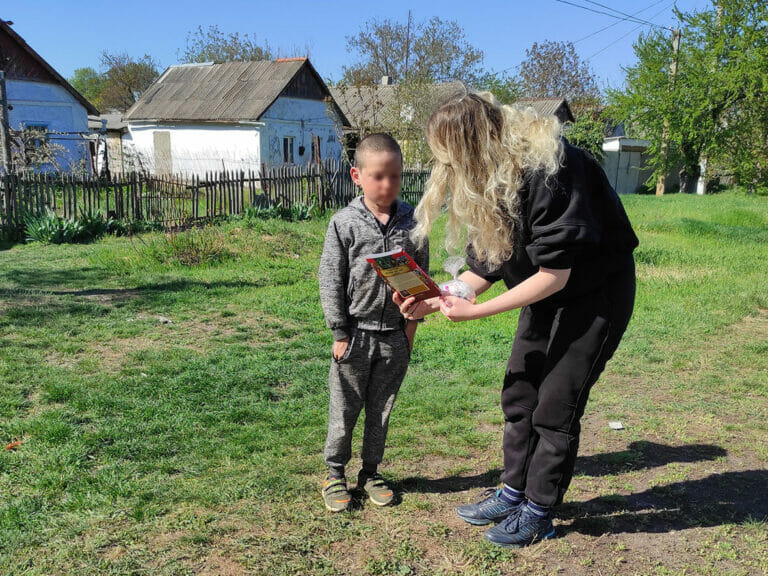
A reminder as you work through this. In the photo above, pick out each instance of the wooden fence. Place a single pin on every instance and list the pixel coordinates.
(175, 200)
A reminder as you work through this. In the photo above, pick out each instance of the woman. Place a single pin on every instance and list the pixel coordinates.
(540, 215)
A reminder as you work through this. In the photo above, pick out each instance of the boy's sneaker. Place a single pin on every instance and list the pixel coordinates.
(520, 529)
(377, 489)
(491, 508)
(335, 494)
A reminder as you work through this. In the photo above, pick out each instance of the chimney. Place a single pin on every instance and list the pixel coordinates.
(386, 81)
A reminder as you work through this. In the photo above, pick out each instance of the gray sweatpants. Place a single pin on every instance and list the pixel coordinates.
(368, 375)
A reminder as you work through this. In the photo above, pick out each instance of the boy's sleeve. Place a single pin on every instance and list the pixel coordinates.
(333, 276)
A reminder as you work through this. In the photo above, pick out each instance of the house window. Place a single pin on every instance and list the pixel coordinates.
(288, 149)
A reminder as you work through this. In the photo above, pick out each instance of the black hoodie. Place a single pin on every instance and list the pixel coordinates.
(574, 220)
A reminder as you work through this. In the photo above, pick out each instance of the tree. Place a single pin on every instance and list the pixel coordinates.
(555, 70)
(435, 50)
(125, 79)
(715, 110)
(89, 83)
(505, 87)
(212, 45)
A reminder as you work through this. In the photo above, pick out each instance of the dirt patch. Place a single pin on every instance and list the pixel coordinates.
(217, 564)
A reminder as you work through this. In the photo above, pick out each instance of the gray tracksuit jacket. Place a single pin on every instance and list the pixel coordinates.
(351, 293)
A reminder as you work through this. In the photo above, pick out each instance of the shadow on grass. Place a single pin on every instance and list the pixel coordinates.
(31, 305)
(638, 456)
(730, 497)
(644, 455)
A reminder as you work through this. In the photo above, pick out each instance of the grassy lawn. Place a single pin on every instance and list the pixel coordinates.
(173, 417)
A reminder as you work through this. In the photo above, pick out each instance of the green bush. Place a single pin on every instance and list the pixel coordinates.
(294, 213)
(193, 247)
(49, 228)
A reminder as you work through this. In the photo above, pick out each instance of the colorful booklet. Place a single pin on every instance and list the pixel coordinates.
(402, 273)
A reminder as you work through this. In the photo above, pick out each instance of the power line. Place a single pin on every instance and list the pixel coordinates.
(612, 15)
(604, 48)
(626, 18)
(619, 12)
(596, 32)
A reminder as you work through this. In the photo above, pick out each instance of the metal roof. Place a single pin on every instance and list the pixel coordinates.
(218, 92)
(550, 106)
(376, 105)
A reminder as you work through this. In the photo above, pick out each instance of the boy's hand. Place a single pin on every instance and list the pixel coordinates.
(410, 332)
(339, 347)
(411, 309)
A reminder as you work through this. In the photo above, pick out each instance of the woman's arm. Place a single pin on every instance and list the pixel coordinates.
(413, 310)
(544, 283)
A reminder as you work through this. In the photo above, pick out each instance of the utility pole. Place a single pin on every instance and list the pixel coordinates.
(701, 184)
(407, 45)
(5, 131)
(6, 198)
(660, 183)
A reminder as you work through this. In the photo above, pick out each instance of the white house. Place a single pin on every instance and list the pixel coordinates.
(234, 115)
(40, 99)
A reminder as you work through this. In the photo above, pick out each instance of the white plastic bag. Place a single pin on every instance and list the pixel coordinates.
(456, 287)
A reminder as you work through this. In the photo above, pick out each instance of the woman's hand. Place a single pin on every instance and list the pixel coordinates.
(411, 309)
(458, 310)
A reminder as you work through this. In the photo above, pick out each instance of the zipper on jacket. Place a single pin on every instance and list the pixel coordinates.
(390, 226)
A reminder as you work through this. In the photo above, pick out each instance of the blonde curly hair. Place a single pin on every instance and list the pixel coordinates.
(482, 151)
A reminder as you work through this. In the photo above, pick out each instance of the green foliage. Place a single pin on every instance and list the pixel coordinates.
(190, 248)
(121, 80)
(505, 87)
(588, 132)
(50, 228)
(90, 84)
(154, 447)
(294, 213)
(716, 106)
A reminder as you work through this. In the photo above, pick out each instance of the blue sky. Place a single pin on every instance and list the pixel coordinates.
(71, 34)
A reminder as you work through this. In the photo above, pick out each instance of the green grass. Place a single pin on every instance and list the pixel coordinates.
(195, 445)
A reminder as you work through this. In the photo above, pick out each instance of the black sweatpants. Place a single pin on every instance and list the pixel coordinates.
(558, 354)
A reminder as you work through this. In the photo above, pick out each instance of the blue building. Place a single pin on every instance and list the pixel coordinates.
(41, 101)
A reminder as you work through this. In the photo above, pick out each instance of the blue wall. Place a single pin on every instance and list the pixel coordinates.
(39, 103)
(302, 119)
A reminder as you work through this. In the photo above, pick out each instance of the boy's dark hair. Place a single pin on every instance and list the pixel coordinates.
(378, 142)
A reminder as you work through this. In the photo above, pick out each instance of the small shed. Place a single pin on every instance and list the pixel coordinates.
(107, 131)
(624, 162)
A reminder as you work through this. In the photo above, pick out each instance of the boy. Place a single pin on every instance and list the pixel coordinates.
(373, 341)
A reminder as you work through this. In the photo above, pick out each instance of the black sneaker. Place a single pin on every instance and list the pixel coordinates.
(520, 529)
(491, 508)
